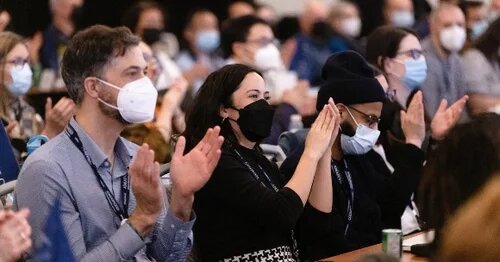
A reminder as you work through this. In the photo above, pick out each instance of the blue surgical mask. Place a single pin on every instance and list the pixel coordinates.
(478, 28)
(207, 41)
(21, 80)
(415, 72)
(363, 140)
(403, 18)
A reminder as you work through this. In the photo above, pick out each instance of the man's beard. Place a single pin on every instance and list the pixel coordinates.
(347, 129)
(108, 111)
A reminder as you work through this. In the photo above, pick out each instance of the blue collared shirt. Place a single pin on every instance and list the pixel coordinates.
(94, 231)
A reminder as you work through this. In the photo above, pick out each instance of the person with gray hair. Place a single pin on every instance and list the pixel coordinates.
(445, 76)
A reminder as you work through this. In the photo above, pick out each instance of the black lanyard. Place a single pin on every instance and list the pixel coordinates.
(121, 213)
(350, 198)
(254, 174)
(295, 249)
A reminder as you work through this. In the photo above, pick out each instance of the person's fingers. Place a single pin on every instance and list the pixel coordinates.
(442, 106)
(155, 174)
(215, 146)
(48, 105)
(214, 159)
(23, 213)
(204, 140)
(204, 144)
(179, 147)
(138, 161)
(403, 116)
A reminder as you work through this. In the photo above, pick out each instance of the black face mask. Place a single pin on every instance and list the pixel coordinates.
(256, 120)
(151, 35)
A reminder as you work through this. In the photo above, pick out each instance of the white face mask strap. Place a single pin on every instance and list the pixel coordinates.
(108, 104)
(349, 111)
(107, 83)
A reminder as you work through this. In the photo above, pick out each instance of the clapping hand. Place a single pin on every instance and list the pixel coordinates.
(446, 117)
(323, 131)
(57, 117)
(413, 122)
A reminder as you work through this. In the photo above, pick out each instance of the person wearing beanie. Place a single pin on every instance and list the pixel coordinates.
(367, 196)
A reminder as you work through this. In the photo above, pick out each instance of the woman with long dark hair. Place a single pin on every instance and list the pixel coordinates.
(246, 211)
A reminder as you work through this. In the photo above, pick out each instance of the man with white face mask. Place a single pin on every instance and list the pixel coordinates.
(249, 40)
(346, 24)
(445, 73)
(367, 197)
(114, 207)
(399, 13)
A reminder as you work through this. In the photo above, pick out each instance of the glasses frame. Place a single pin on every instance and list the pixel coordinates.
(370, 119)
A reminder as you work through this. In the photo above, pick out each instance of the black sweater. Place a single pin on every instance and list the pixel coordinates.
(238, 214)
(379, 201)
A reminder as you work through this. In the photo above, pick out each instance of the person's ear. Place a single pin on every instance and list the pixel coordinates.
(342, 111)
(223, 112)
(189, 35)
(90, 86)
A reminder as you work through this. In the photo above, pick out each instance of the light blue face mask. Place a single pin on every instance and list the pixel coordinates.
(207, 41)
(21, 80)
(403, 18)
(478, 28)
(415, 72)
(363, 140)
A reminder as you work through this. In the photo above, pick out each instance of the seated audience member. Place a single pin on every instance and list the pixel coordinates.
(56, 36)
(397, 52)
(250, 40)
(494, 10)
(479, 220)
(15, 81)
(240, 8)
(312, 48)
(4, 19)
(482, 72)
(476, 20)
(147, 20)
(398, 13)
(367, 196)
(346, 24)
(203, 39)
(460, 166)
(285, 30)
(113, 204)
(169, 117)
(247, 211)
(445, 75)
(266, 12)
(15, 234)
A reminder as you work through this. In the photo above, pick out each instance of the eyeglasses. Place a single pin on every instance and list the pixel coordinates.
(413, 53)
(264, 41)
(371, 120)
(18, 62)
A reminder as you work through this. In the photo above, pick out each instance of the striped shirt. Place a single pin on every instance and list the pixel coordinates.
(94, 231)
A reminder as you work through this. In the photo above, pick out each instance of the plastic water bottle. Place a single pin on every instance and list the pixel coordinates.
(295, 123)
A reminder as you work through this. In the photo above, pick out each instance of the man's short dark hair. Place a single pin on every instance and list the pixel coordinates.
(237, 30)
(89, 52)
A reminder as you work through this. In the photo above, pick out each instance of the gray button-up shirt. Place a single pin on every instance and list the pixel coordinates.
(94, 231)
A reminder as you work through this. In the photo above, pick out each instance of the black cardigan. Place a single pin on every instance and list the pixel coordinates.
(380, 200)
(238, 214)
